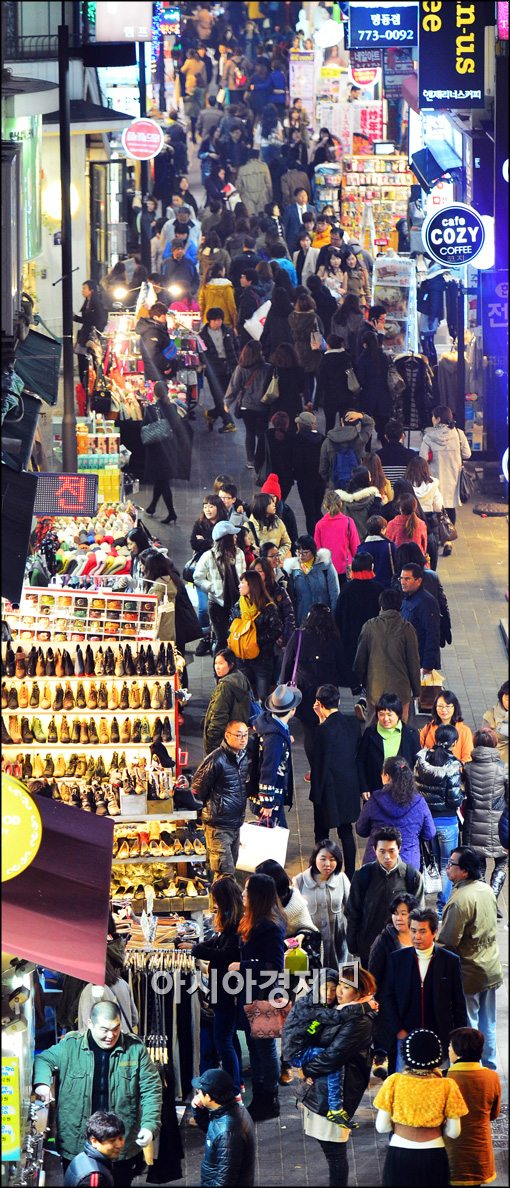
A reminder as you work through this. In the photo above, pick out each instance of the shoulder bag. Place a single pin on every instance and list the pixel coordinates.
(272, 391)
(446, 530)
(242, 638)
(188, 570)
(292, 682)
(467, 481)
(267, 1018)
(432, 882)
(156, 430)
(353, 384)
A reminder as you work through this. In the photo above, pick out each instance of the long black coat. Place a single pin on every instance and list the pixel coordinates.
(357, 602)
(321, 662)
(370, 757)
(441, 1005)
(335, 784)
(154, 339)
(332, 390)
(169, 459)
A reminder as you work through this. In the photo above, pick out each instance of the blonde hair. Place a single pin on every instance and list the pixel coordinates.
(331, 504)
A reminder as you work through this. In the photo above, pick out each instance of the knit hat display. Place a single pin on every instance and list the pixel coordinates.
(422, 1049)
(272, 486)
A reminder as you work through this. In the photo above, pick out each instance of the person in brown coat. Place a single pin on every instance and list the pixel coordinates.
(387, 655)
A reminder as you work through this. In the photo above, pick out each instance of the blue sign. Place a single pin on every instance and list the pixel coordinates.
(382, 25)
(453, 235)
(495, 313)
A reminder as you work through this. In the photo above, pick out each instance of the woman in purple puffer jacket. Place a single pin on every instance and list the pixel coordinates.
(397, 803)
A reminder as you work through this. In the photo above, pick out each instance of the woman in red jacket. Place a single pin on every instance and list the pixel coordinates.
(407, 526)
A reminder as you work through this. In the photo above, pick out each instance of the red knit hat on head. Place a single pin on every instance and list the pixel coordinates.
(272, 486)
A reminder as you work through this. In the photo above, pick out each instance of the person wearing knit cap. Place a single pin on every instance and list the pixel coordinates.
(418, 1107)
(272, 486)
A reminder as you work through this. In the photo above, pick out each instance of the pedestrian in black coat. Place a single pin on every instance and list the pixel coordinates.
(220, 358)
(230, 1134)
(332, 393)
(334, 785)
(372, 372)
(370, 756)
(327, 305)
(154, 339)
(291, 383)
(321, 662)
(159, 455)
(439, 1004)
(358, 601)
(247, 300)
(307, 449)
(276, 326)
(278, 455)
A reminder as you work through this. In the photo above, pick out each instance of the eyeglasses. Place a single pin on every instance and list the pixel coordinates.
(453, 863)
(238, 735)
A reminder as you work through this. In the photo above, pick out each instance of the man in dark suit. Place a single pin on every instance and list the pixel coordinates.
(293, 218)
(334, 786)
(424, 986)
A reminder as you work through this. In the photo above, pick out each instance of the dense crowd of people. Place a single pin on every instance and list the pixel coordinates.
(406, 942)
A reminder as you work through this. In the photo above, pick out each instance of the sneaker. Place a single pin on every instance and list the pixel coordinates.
(250, 466)
(380, 1067)
(361, 709)
(341, 1118)
(229, 428)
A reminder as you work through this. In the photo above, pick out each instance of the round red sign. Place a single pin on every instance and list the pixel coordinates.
(143, 139)
(364, 75)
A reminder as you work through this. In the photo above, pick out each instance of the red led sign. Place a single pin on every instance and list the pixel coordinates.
(66, 495)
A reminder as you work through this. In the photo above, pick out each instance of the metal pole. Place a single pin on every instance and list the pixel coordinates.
(69, 417)
(461, 363)
(144, 171)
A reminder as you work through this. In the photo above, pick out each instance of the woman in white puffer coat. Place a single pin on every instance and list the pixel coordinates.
(445, 448)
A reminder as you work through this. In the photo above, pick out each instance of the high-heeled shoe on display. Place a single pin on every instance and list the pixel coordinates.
(129, 664)
(167, 696)
(156, 696)
(59, 663)
(50, 663)
(150, 662)
(145, 698)
(166, 735)
(31, 662)
(40, 665)
(89, 661)
(79, 663)
(100, 669)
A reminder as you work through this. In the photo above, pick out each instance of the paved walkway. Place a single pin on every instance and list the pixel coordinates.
(475, 580)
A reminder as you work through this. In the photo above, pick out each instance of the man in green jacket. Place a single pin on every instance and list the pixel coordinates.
(101, 1069)
(387, 659)
(469, 929)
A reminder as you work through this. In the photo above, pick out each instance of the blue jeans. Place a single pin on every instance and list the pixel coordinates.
(203, 609)
(481, 1012)
(335, 1079)
(445, 840)
(265, 1066)
(227, 1044)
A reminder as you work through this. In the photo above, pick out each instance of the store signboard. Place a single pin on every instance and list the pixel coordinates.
(495, 313)
(123, 22)
(21, 828)
(143, 140)
(342, 119)
(66, 495)
(383, 25)
(11, 1111)
(503, 21)
(452, 52)
(443, 194)
(368, 125)
(329, 81)
(365, 66)
(454, 235)
(397, 65)
(301, 78)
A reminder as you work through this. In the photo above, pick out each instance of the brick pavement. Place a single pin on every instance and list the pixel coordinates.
(475, 580)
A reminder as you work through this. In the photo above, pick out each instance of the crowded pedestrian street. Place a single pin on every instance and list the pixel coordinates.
(255, 594)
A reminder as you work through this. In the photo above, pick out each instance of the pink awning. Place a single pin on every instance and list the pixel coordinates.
(56, 911)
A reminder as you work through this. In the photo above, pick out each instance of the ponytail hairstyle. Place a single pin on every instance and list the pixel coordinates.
(408, 506)
(444, 414)
(441, 752)
(402, 788)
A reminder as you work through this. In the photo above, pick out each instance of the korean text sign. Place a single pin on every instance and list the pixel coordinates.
(452, 48)
(382, 25)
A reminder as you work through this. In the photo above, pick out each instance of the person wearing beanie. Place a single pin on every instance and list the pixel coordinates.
(419, 1108)
(283, 510)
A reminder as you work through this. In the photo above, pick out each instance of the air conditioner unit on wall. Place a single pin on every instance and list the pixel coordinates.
(12, 265)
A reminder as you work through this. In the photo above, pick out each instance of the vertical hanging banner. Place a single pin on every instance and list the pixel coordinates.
(301, 78)
(452, 51)
(397, 65)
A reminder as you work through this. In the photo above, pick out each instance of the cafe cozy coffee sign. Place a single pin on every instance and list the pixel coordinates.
(454, 235)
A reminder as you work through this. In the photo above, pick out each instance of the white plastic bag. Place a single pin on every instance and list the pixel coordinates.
(257, 843)
(255, 324)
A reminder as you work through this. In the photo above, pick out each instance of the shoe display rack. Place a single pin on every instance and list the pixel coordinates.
(47, 614)
(81, 716)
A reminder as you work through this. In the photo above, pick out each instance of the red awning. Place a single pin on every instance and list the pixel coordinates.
(56, 911)
(410, 91)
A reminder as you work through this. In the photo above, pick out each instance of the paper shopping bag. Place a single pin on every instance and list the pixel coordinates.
(258, 843)
(255, 324)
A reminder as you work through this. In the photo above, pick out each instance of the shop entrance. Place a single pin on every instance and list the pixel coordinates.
(108, 215)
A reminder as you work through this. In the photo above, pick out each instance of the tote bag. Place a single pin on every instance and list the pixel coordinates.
(432, 882)
(255, 324)
(258, 843)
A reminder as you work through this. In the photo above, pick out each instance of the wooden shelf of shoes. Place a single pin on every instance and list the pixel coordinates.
(167, 853)
(53, 615)
(61, 739)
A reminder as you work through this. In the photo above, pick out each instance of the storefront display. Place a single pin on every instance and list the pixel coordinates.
(384, 184)
(394, 285)
(327, 182)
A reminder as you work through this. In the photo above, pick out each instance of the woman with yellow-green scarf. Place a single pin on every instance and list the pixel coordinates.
(255, 605)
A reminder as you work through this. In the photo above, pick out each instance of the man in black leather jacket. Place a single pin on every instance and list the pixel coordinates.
(220, 783)
(230, 1134)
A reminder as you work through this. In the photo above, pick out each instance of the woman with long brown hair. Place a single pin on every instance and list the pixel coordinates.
(426, 490)
(217, 573)
(407, 526)
(262, 933)
(255, 606)
(220, 947)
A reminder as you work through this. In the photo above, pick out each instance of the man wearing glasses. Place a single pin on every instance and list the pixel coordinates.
(220, 783)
